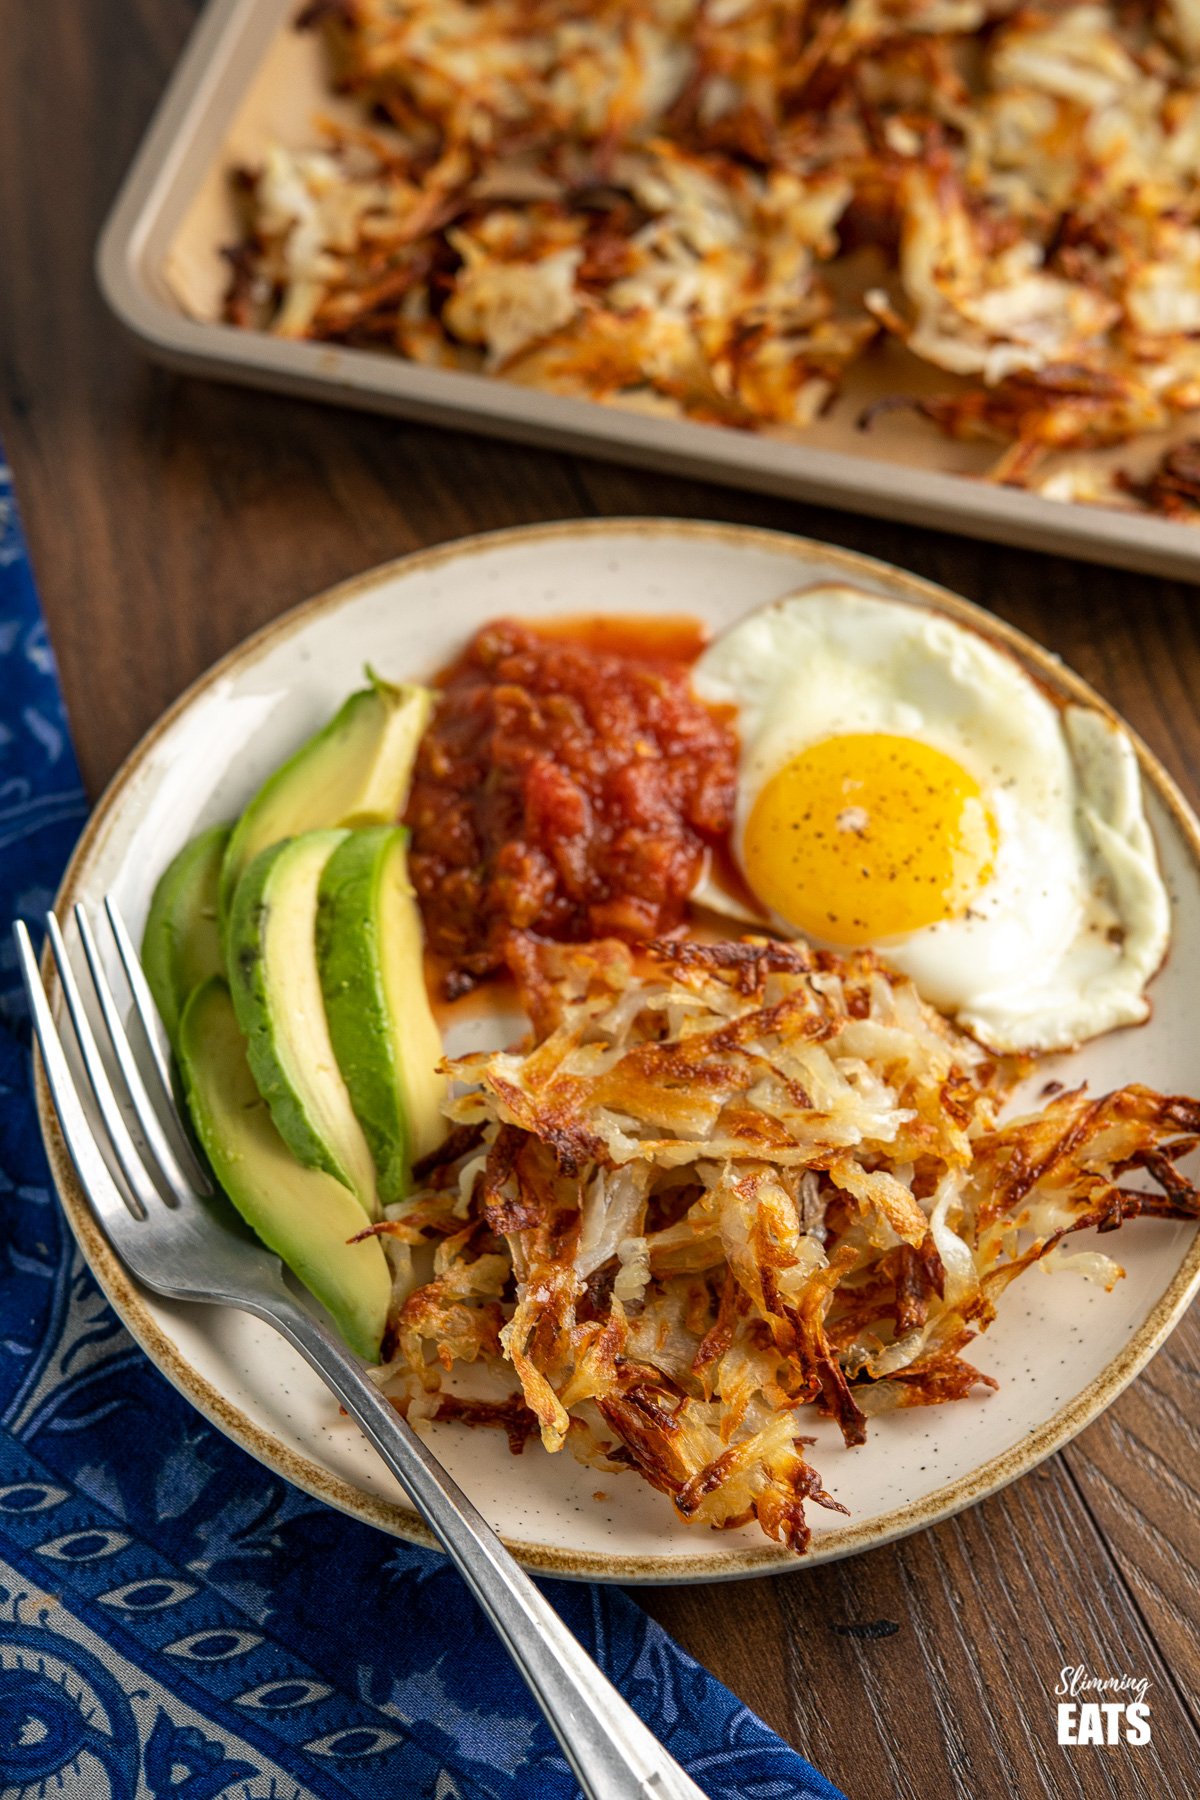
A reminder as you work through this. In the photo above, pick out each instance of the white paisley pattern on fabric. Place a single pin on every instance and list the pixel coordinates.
(177, 1623)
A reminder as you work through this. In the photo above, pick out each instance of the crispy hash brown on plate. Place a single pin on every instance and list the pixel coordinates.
(705, 1203)
(713, 211)
(730, 1181)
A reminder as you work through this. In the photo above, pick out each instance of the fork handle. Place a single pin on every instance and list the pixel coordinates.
(611, 1752)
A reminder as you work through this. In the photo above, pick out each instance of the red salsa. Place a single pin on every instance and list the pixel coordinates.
(563, 789)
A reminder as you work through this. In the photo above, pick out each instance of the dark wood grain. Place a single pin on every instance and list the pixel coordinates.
(170, 517)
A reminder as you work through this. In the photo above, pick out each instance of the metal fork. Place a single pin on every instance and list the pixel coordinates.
(166, 1225)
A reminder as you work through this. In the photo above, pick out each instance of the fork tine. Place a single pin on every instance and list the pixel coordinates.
(124, 1148)
(144, 1111)
(139, 987)
(147, 1012)
(111, 1207)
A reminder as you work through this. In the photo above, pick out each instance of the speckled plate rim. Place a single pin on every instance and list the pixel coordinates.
(398, 1519)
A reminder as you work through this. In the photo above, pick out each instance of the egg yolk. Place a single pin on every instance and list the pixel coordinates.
(869, 836)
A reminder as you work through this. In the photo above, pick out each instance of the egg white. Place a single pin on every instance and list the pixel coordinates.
(1060, 943)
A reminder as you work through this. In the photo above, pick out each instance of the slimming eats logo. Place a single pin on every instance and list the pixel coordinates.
(1102, 1709)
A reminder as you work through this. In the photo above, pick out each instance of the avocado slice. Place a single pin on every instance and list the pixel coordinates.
(356, 771)
(277, 998)
(303, 1215)
(181, 944)
(370, 959)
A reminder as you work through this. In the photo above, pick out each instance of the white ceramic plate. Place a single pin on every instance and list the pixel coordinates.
(1061, 1349)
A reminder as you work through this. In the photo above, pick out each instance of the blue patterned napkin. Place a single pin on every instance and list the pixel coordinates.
(175, 1621)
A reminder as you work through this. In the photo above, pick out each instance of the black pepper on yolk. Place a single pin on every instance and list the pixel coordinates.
(869, 836)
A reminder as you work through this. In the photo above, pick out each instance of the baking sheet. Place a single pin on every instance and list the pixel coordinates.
(248, 78)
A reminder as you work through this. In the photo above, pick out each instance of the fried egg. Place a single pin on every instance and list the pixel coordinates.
(904, 784)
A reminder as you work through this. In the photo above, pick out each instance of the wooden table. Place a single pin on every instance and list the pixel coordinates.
(169, 517)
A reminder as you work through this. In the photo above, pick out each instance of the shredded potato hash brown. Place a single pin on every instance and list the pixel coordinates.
(729, 1182)
(709, 208)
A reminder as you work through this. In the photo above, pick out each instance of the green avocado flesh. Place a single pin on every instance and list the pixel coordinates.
(303, 1215)
(181, 943)
(271, 949)
(354, 772)
(369, 954)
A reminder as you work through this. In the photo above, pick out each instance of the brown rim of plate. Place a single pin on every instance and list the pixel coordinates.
(400, 1520)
